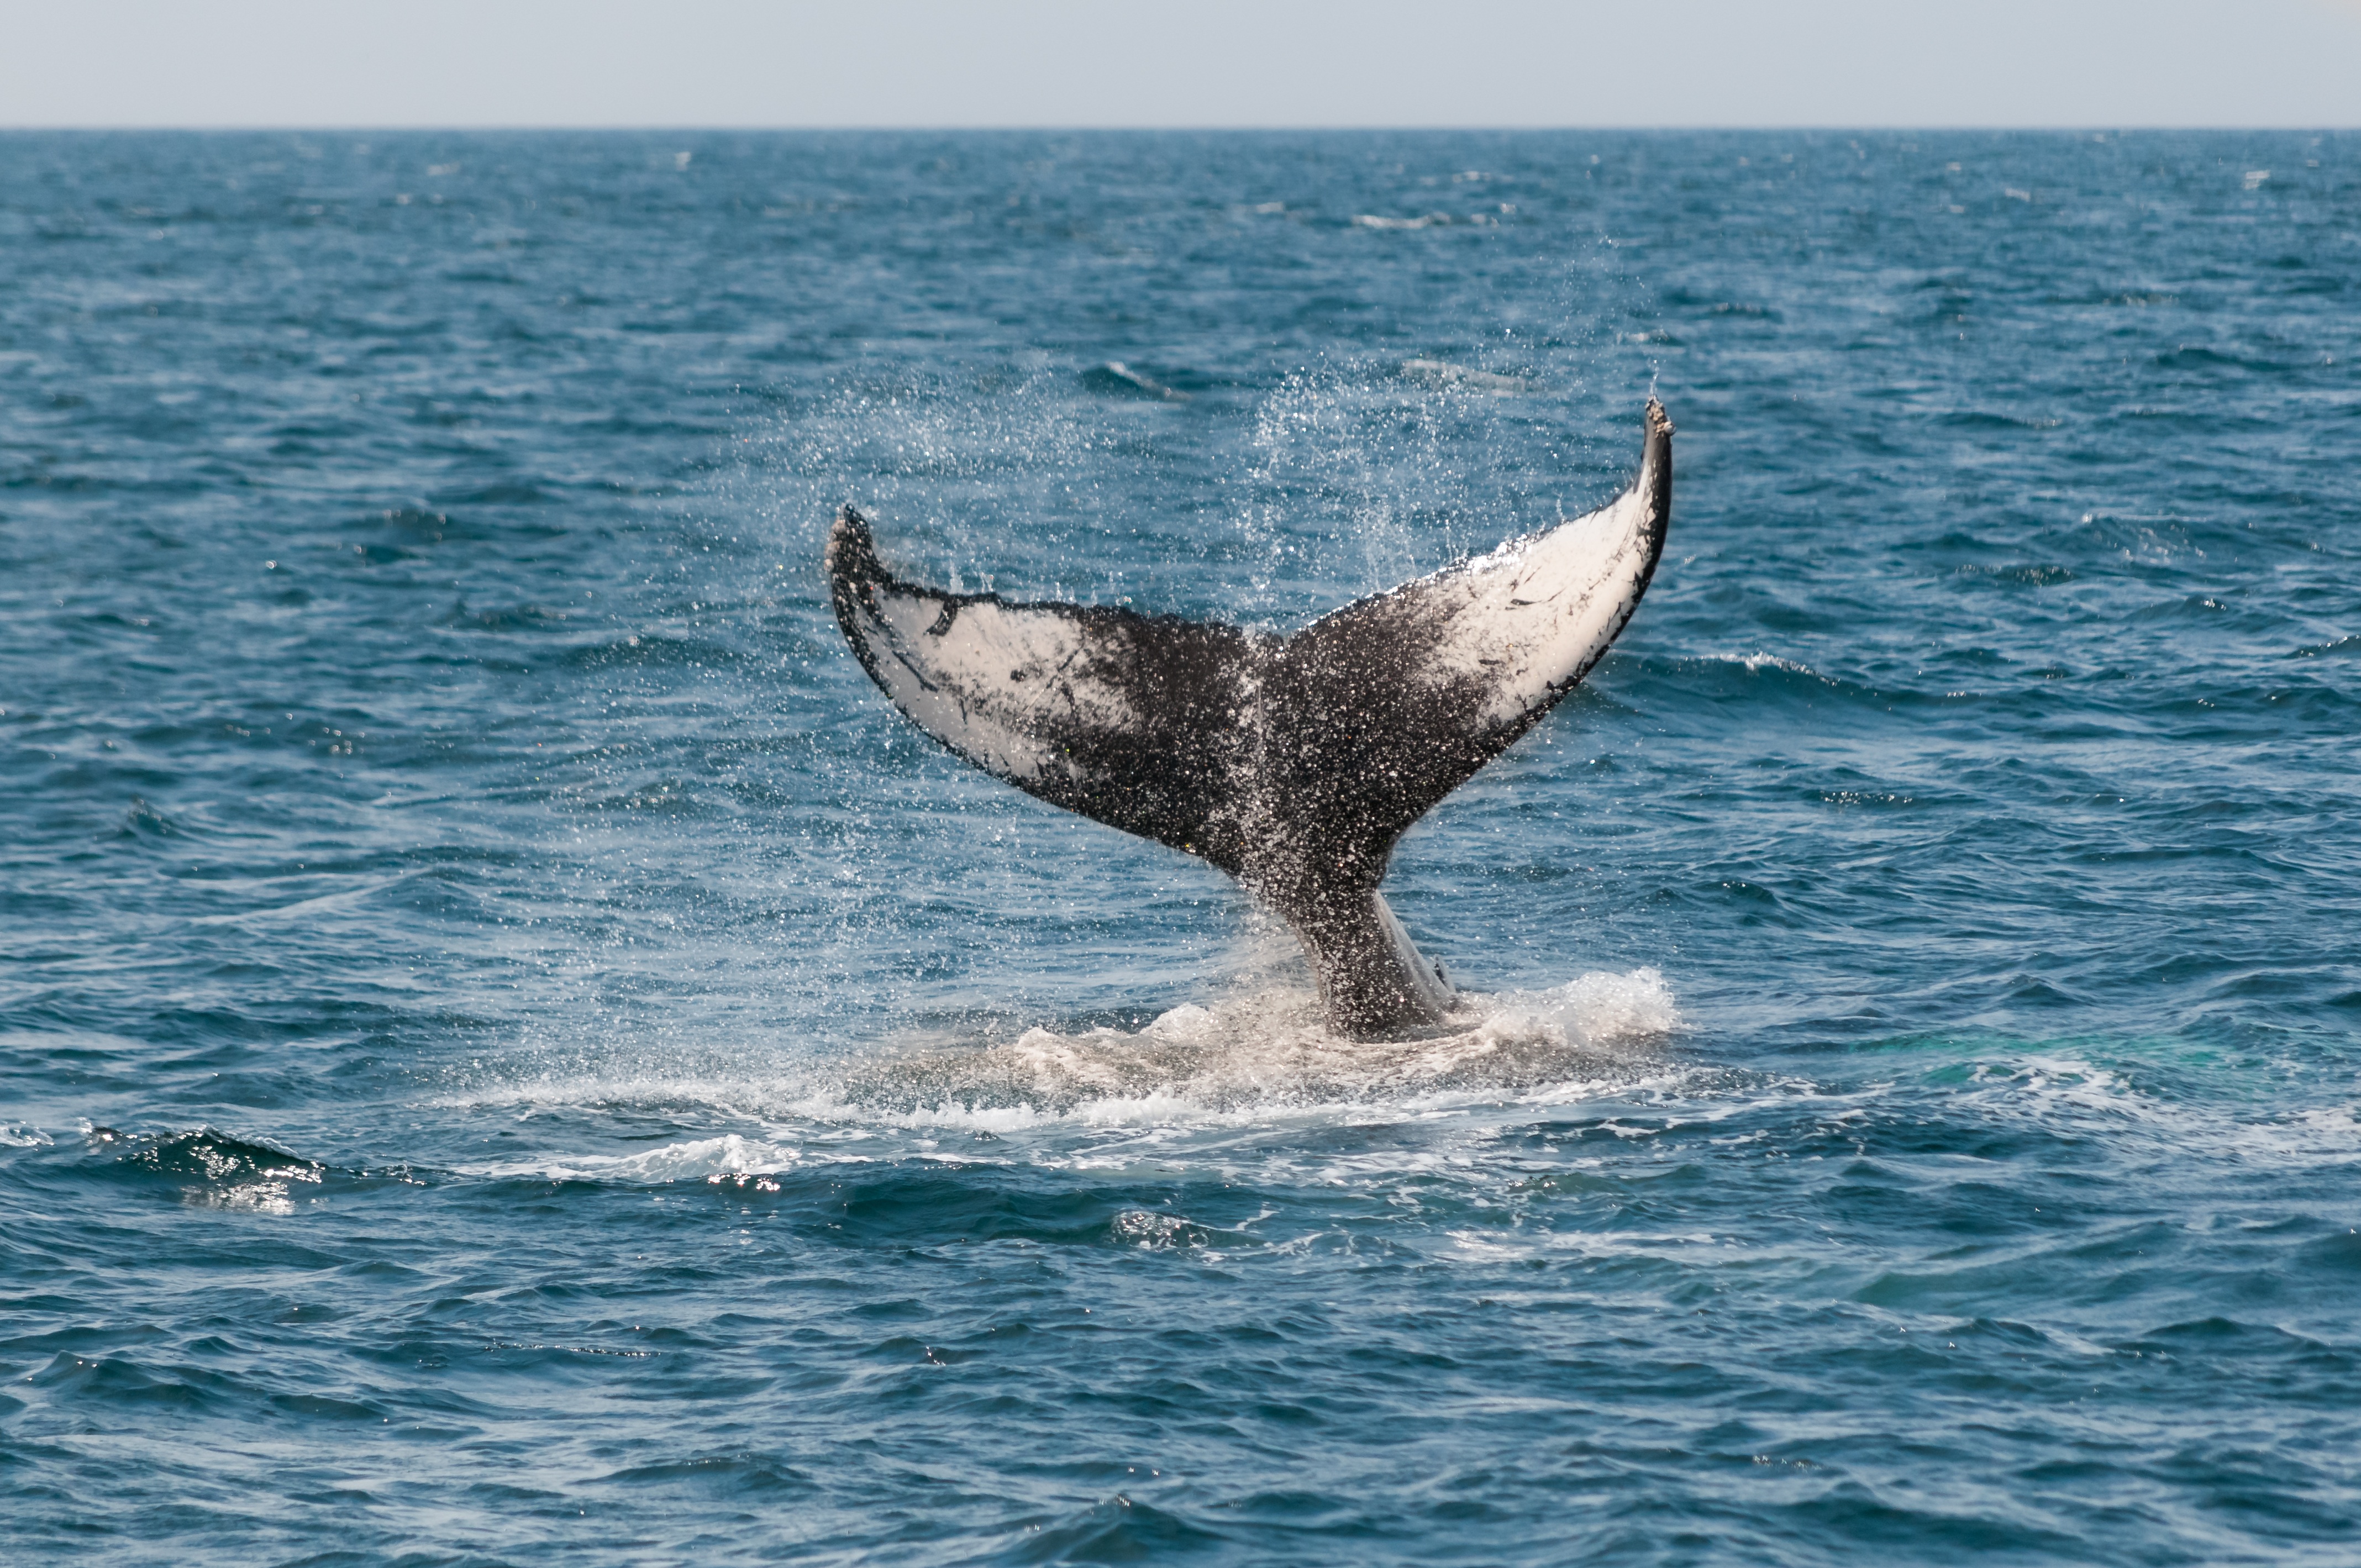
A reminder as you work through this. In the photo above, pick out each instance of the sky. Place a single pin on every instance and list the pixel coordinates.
(1209, 63)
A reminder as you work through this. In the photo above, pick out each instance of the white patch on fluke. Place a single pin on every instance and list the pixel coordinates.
(1530, 618)
(985, 679)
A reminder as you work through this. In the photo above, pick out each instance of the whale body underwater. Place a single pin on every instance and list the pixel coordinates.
(1292, 763)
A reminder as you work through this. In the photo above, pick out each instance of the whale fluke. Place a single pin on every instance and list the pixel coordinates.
(1295, 763)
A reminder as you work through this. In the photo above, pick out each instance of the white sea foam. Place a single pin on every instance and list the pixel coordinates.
(1268, 1052)
(1756, 663)
(1379, 221)
(1249, 1060)
(730, 1156)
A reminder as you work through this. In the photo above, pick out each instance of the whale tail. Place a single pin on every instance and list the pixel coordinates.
(1293, 764)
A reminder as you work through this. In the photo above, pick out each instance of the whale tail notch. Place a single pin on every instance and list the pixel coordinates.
(1293, 764)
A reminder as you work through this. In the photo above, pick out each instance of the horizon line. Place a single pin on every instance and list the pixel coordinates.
(695, 128)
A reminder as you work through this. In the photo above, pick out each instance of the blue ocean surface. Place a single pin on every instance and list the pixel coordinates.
(511, 1052)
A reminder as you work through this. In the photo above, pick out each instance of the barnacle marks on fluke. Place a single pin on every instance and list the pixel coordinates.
(1294, 763)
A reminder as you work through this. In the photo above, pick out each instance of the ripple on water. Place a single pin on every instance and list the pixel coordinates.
(567, 1073)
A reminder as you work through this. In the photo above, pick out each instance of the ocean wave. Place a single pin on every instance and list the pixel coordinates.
(212, 1169)
(1448, 374)
(1119, 380)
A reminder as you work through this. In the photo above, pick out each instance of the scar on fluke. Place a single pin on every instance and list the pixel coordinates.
(1294, 763)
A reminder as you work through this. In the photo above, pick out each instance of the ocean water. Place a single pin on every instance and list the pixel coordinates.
(510, 1052)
